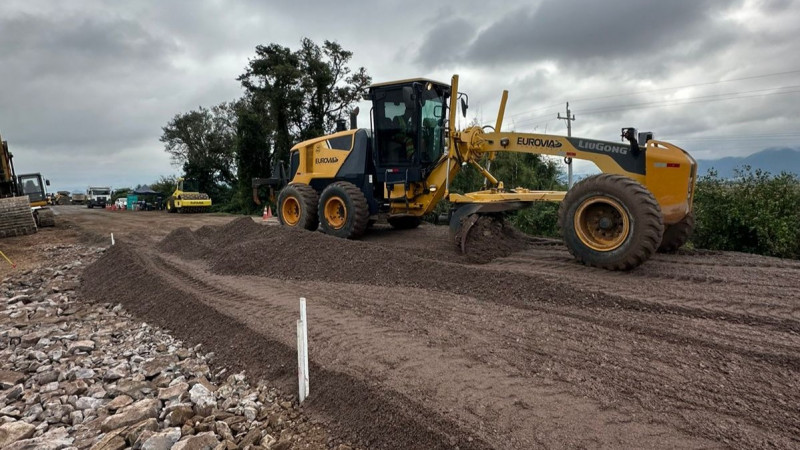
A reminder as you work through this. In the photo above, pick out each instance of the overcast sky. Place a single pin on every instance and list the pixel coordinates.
(87, 85)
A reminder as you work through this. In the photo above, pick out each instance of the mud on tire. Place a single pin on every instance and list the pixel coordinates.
(297, 207)
(343, 210)
(610, 221)
(677, 234)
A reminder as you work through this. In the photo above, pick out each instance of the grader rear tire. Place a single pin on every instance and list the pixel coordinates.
(610, 221)
(677, 234)
(297, 207)
(343, 210)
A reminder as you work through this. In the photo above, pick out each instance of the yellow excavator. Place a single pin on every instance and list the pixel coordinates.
(23, 199)
(404, 164)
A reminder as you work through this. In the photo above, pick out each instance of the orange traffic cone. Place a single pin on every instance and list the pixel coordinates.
(267, 213)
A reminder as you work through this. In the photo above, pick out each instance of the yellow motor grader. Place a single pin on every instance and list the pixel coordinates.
(403, 166)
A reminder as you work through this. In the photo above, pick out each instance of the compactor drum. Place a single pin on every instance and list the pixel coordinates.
(402, 167)
(187, 199)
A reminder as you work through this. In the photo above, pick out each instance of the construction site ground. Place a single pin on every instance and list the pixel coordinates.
(415, 346)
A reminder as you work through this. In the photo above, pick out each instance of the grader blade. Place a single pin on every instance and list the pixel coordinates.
(465, 216)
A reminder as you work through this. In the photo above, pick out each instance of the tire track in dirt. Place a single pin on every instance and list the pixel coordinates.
(692, 364)
(479, 397)
(722, 298)
(375, 418)
(684, 393)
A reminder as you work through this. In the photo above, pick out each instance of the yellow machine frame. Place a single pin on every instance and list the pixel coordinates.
(640, 204)
(670, 172)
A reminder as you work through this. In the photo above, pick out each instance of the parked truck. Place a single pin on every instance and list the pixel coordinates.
(78, 198)
(98, 196)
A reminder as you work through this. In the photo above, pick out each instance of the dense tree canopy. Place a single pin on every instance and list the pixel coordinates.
(289, 95)
(299, 95)
(203, 142)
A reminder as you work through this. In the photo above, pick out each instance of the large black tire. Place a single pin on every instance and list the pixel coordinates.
(610, 221)
(343, 210)
(171, 206)
(677, 234)
(404, 222)
(297, 207)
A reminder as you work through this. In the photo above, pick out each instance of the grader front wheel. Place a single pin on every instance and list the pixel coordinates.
(610, 221)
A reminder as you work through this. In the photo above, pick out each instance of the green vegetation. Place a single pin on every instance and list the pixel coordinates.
(289, 96)
(755, 212)
(518, 170)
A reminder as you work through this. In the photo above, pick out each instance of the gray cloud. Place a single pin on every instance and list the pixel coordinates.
(87, 85)
(605, 32)
(39, 46)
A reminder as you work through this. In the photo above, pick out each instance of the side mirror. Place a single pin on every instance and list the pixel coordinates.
(47, 182)
(464, 107)
(408, 97)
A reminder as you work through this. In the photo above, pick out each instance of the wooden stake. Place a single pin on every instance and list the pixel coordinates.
(302, 352)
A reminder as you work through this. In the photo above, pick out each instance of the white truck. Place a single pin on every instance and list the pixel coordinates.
(98, 196)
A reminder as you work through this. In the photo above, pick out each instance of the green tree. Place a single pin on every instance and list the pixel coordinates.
(270, 82)
(203, 143)
(165, 185)
(302, 92)
(253, 151)
(290, 96)
(329, 86)
(755, 212)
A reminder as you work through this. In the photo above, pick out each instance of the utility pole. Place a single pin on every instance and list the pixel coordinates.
(570, 117)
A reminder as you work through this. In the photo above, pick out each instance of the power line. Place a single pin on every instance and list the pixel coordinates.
(708, 83)
(683, 101)
(687, 101)
(732, 140)
(691, 85)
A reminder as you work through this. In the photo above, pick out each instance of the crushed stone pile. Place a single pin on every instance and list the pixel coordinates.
(89, 376)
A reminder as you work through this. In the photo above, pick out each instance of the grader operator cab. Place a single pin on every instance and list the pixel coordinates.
(403, 166)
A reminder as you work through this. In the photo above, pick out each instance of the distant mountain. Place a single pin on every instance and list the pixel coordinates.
(773, 160)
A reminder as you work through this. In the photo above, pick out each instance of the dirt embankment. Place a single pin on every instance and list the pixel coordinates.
(414, 347)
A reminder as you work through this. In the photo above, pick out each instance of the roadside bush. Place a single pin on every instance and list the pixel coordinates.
(755, 212)
(541, 219)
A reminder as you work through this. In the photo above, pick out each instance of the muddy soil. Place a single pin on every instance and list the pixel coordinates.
(414, 346)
